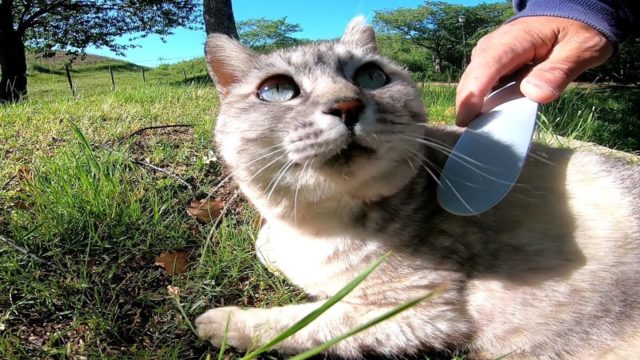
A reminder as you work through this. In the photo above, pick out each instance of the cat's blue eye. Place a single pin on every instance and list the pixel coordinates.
(370, 76)
(279, 88)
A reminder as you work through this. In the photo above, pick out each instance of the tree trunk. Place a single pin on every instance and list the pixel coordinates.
(437, 62)
(218, 17)
(13, 63)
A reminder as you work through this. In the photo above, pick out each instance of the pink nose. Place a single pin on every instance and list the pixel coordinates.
(347, 110)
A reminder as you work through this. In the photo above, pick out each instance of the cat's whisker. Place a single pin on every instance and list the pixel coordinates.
(431, 173)
(437, 178)
(461, 158)
(278, 177)
(266, 155)
(445, 149)
(265, 167)
(540, 158)
(295, 196)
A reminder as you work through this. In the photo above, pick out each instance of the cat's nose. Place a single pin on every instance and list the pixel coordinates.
(348, 110)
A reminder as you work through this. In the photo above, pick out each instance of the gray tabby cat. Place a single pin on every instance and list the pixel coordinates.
(329, 142)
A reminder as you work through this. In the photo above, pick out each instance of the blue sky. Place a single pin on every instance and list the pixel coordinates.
(322, 19)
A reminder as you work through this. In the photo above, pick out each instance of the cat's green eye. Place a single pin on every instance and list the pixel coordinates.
(370, 76)
(279, 88)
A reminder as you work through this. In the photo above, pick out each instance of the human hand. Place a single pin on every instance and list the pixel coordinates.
(560, 49)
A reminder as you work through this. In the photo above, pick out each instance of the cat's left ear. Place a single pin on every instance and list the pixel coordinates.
(227, 61)
(360, 34)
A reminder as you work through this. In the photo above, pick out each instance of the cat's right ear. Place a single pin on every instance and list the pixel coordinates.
(227, 61)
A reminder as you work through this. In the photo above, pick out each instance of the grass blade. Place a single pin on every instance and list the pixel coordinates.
(223, 346)
(319, 311)
(366, 325)
(87, 147)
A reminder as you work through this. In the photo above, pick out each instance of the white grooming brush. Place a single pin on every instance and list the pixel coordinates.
(490, 154)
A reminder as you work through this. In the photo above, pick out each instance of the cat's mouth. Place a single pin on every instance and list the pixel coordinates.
(348, 153)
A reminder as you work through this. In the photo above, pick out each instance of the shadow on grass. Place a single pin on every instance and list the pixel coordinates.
(105, 67)
(202, 79)
(46, 70)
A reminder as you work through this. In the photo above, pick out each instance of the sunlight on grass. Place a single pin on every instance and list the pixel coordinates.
(73, 195)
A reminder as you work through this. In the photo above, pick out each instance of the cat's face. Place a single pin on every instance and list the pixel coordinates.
(317, 121)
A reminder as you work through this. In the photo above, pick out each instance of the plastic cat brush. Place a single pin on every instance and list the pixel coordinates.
(490, 154)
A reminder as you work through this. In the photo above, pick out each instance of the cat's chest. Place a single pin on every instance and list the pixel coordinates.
(319, 265)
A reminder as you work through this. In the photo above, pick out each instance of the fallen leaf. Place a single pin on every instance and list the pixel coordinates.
(450, 111)
(205, 210)
(24, 173)
(173, 262)
(21, 205)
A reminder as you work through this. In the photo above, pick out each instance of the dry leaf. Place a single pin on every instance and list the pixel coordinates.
(174, 262)
(25, 173)
(205, 210)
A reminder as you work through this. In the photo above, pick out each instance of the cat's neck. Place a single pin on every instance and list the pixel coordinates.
(355, 208)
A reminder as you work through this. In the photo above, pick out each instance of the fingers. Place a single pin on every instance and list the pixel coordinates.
(496, 55)
(562, 49)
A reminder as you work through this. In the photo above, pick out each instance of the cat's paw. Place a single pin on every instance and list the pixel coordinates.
(212, 326)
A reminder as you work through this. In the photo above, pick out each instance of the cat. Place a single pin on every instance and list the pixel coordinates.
(329, 142)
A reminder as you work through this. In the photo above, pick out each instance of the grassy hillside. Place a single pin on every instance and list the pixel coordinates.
(88, 213)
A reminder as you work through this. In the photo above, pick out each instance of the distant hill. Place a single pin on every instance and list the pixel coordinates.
(56, 63)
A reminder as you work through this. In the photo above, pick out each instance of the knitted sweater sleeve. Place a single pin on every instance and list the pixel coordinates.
(617, 20)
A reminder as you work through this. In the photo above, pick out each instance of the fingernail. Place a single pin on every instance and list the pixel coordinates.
(463, 116)
(542, 87)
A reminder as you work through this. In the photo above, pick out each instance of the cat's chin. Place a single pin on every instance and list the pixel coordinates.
(346, 156)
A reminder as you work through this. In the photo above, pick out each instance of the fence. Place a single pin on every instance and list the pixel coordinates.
(78, 80)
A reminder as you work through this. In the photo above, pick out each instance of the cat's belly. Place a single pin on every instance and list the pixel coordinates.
(320, 266)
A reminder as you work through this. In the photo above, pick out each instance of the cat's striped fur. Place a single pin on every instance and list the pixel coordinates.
(549, 273)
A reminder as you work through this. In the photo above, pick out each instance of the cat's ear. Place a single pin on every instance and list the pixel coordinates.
(360, 34)
(227, 61)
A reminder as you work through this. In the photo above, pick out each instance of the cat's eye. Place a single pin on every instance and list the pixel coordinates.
(370, 76)
(279, 88)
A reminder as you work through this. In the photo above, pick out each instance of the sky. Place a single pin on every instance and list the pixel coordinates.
(319, 19)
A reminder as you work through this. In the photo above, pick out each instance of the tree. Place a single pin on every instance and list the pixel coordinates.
(446, 30)
(218, 17)
(72, 25)
(264, 34)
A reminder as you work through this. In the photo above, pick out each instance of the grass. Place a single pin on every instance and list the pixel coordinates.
(98, 221)
(605, 115)
(74, 197)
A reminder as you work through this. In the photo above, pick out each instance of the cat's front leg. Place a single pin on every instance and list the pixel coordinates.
(432, 325)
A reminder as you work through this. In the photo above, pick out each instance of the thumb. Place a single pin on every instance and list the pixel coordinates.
(567, 60)
(547, 80)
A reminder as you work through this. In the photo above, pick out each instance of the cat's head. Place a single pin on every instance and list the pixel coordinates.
(317, 121)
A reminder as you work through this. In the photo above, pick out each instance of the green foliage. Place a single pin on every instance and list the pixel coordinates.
(623, 68)
(264, 34)
(73, 25)
(446, 32)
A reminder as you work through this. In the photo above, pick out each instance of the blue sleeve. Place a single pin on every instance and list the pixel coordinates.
(613, 18)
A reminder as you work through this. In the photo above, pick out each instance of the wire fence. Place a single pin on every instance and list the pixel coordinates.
(77, 80)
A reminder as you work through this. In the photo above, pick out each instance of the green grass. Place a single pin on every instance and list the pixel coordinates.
(605, 115)
(98, 221)
(77, 201)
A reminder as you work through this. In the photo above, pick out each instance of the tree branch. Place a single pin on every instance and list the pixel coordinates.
(164, 171)
(153, 128)
(23, 250)
(28, 22)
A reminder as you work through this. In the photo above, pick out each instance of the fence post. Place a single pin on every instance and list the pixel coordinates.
(144, 78)
(113, 81)
(73, 90)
